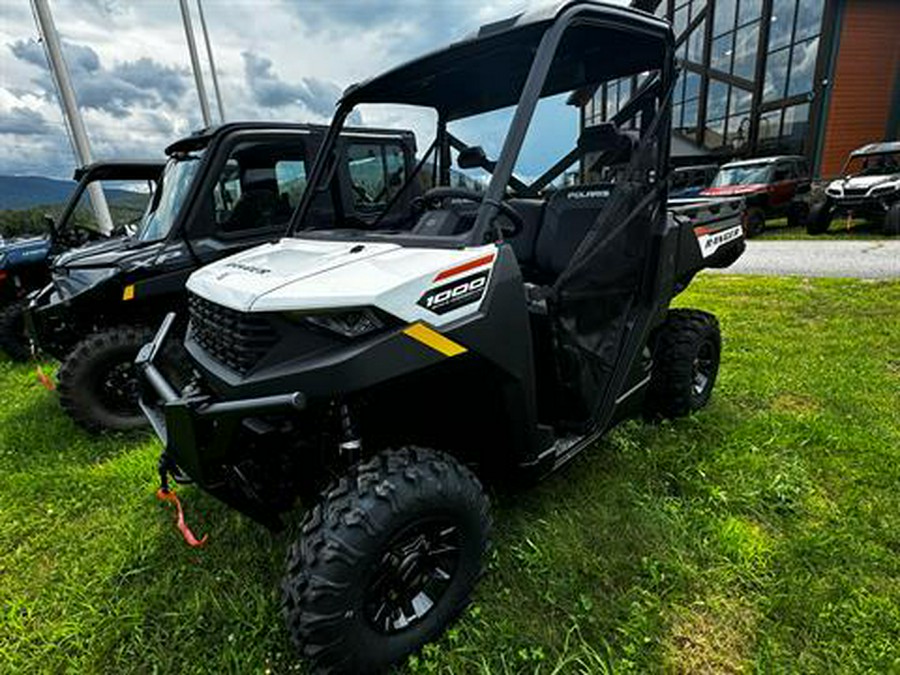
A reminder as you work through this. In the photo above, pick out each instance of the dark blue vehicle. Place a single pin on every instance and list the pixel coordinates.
(20, 261)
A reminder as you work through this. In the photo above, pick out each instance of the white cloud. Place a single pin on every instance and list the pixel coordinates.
(277, 59)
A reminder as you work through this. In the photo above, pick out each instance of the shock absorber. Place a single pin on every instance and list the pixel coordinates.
(350, 447)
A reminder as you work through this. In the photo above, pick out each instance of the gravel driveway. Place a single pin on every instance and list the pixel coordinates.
(862, 259)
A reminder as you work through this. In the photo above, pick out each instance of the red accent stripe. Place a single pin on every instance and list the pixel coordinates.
(465, 267)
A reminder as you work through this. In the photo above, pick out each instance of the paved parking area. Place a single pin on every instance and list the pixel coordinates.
(861, 259)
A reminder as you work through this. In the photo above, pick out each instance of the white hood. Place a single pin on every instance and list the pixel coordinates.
(310, 274)
(238, 281)
(864, 182)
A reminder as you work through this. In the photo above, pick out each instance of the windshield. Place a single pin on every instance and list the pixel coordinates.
(883, 164)
(742, 175)
(162, 211)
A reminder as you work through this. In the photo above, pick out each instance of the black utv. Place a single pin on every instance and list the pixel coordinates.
(25, 264)
(222, 190)
(488, 334)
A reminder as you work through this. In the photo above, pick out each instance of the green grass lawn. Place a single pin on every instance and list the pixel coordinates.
(840, 229)
(761, 535)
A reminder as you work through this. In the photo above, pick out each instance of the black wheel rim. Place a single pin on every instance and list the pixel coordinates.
(119, 391)
(703, 369)
(413, 574)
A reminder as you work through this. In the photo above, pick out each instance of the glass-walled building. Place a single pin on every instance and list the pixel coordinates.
(764, 77)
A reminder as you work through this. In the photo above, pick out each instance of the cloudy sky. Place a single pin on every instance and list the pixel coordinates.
(276, 59)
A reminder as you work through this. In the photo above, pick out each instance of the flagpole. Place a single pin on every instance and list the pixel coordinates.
(71, 113)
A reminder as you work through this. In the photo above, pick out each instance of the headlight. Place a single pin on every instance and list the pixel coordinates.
(834, 190)
(351, 323)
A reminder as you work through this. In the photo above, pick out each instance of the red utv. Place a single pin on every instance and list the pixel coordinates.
(772, 187)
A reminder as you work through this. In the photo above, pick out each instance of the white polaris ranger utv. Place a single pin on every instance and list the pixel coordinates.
(494, 335)
(869, 188)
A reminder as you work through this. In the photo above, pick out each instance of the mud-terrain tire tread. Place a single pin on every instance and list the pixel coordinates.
(755, 222)
(798, 215)
(891, 225)
(819, 219)
(12, 331)
(74, 375)
(671, 392)
(351, 520)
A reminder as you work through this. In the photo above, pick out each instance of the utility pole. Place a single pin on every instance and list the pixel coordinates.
(195, 62)
(71, 114)
(212, 63)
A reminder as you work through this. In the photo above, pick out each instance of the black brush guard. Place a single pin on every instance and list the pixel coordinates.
(196, 433)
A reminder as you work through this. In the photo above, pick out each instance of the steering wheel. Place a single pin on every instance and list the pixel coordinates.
(432, 199)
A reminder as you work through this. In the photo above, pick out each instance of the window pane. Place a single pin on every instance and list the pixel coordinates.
(714, 136)
(691, 85)
(257, 184)
(724, 19)
(612, 101)
(395, 165)
(676, 116)
(291, 178)
(690, 114)
(681, 21)
(796, 123)
(745, 51)
(624, 92)
(717, 99)
(698, 6)
(809, 18)
(782, 23)
(695, 43)
(722, 49)
(803, 67)
(776, 74)
(678, 94)
(769, 124)
(366, 176)
(738, 131)
(740, 100)
(750, 11)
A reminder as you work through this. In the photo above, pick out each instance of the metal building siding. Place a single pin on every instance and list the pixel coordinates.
(865, 72)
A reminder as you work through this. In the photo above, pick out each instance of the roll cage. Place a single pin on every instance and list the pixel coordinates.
(517, 62)
(124, 170)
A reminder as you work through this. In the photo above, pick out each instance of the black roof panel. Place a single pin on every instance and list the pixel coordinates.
(487, 70)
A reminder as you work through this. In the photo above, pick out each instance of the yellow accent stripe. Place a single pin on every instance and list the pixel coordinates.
(128, 294)
(427, 336)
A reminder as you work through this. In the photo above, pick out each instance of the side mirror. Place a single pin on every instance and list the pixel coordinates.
(472, 158)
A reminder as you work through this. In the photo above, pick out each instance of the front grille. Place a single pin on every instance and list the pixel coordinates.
(855, 192)
(237, 340)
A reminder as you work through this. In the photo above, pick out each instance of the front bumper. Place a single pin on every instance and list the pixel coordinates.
(48, 321)
(199, 433)
(860, 204)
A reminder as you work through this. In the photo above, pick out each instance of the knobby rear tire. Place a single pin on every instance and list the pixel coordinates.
(689, 345)
(13, 339)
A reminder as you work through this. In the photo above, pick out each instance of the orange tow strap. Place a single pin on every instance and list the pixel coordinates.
(45, 379)
(172, 498)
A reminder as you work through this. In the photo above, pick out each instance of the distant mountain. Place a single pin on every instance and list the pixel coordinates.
(25, 192)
